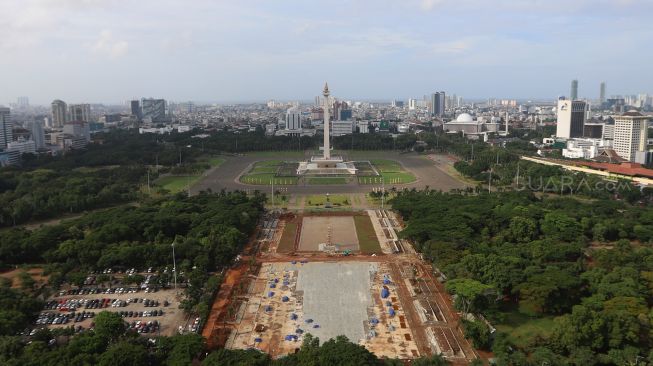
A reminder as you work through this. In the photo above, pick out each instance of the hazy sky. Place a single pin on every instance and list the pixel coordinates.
(242, 50)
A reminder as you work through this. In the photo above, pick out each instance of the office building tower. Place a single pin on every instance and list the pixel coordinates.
(293, 119)
(136, 109)
(6, 134)
(602, 93)
(154, 110)
(436, 107)
(22, 102)
(571, 118)
(574, 90)
(412, 104)
(38, 136)
(59, 113)
(630, 134)
(78, 129)
(80, 112)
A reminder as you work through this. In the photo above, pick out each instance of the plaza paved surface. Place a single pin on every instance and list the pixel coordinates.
(428, 172)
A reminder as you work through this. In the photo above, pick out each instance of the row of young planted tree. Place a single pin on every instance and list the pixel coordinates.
(587, 264)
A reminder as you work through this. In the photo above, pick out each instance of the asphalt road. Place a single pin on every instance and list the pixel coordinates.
(428, 172)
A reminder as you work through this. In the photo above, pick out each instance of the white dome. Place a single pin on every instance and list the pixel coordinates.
(464, 117)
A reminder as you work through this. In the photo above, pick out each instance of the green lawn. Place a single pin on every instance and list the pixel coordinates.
(287, 242)
(327, 180)
(320, 200)
(522, 329)
(367, 239)
(264, 173)
(391, 173)
(177, 183)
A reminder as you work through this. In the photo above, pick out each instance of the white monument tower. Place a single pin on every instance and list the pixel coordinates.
(327, 132)
(326, 164)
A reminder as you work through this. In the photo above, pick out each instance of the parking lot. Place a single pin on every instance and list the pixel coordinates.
(147, 310)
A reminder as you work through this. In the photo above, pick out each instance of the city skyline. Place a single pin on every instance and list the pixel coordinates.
(100, 51)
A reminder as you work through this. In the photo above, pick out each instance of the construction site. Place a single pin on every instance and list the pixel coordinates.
(335, 273)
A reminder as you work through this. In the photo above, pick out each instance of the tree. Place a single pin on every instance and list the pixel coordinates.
(124, 353)
(478, 332)
(236, 357)
(471, 295)
(109, 325)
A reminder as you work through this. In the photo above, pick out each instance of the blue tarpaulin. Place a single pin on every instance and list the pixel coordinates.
(271, 293)
(285, 299)
(385, 293)
(293, 316)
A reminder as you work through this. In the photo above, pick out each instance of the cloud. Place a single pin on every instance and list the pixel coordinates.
(107, 45)
(430, 4)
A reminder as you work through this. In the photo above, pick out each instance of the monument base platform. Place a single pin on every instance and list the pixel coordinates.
(319, 165)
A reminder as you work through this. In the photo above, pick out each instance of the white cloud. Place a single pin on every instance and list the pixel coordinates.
(107, 45)
(430, 4)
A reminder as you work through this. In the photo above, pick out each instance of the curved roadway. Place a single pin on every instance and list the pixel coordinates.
(429, 172)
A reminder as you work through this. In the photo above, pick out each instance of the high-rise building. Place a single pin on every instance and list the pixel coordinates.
(154, 109)
(136, 109)
(38, 136)
(59, 113)
(630, 134)
(412, 104)
(22, 102)
(6, 134)
(602, 93)
(571, 118)
(80, 112)
(574, 90)
(436, 107)
(293, 119)
(78, 129)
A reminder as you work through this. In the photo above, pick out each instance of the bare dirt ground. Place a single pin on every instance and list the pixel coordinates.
(335, 230)
(424, 320)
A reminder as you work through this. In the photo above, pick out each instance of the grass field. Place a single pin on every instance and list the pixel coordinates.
(391, 173)
(287, 242)
(320, 200)
(327, 180)
(522, 329)
(177, 183)
(264, 173)
(367, 240)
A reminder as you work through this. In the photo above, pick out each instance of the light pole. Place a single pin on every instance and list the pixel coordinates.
(174, 266)
(382, 192)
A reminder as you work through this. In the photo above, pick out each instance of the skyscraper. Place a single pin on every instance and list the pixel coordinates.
(136, 109)
(59, 113)
(630, 134)
(38, 136)
(571, 118)
(22, 102)
(437, 104)
(6, 134)
(80, 112)
(602, 93)
(293, 119)
(574, 90)
(154, 109)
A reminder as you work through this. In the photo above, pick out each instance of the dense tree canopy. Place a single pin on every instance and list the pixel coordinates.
(582, 262)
